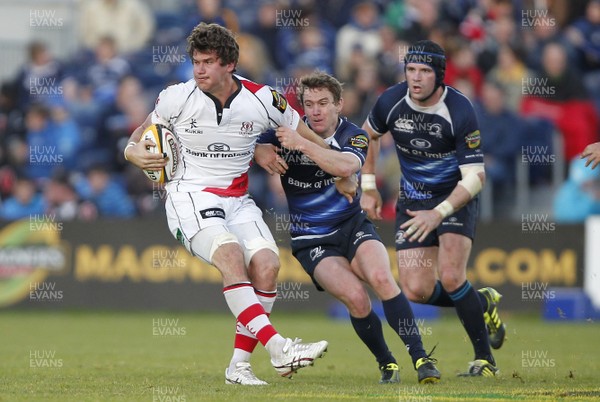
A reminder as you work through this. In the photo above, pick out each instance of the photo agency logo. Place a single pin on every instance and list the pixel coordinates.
(537, 86)
(536, 359)
(289, 222)
(413, 191)
(39, 222)
(413, 327)
(164, 327)
(159, 192)
(288, 86)
(45, 87)
(163, 257)
(44, 18)
(538, 155)
(412, 258)
(44, 291)
(45, 155)
(413, 394)
(167, 394)
(292, 291)
(290, 18)
(532, 19)
(536, 291)
(537, 224)
(168, 54)
(44, 359)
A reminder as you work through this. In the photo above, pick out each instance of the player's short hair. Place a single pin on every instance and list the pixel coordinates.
(206, 38)
(318, 80)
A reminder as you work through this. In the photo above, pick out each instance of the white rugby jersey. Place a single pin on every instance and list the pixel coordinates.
(216, 145)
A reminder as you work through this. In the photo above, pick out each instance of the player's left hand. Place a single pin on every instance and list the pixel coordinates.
(347, 186)
(289, 138)
(266, 156)
(422, 223)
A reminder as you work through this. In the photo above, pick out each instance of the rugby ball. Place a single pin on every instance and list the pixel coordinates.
(164, 141)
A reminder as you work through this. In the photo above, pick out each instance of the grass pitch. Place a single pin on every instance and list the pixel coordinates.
(169, 356)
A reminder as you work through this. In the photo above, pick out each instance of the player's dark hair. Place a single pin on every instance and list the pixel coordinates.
(318, 80)
(206, 38)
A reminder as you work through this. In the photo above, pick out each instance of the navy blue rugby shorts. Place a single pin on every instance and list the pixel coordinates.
(343, 243)
(462, 222)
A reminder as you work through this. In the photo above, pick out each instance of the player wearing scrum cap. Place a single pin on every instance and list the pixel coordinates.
(217, 117)
(439, 148)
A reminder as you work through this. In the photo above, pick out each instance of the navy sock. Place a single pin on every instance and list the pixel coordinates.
(401, 318)
(469, 310)
(369, 330)
(441, 298)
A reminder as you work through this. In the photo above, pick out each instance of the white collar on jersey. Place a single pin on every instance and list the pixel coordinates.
(426, 109)
(331, 139)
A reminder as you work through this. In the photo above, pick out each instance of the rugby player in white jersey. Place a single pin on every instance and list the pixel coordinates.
(217, 117)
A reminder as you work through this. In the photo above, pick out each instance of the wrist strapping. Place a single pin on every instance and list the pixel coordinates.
(125, 150)
(367, 182)
(445, 208)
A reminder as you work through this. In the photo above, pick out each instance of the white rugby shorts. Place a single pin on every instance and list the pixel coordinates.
(188, 214)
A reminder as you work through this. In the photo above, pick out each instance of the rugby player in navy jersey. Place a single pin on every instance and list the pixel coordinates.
(438, 145)
(332, 238)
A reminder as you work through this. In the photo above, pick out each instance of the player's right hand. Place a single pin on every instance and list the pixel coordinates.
(139, 155)
(592, 153)
(371, 203)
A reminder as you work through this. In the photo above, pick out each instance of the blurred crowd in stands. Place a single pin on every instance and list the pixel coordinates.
(530, 73)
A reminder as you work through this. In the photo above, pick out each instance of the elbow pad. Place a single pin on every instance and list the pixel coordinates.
(470, 178)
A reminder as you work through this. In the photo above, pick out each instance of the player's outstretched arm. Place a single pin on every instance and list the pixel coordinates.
(339, 164)
(592, 153)
(136, 153)
(310, 135)
(423, 222)
(371, 201)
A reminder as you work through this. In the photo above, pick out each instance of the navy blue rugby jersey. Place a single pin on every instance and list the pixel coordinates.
(315, 206)
(431, 142)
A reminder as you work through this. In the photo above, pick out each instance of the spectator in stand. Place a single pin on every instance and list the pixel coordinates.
(50, 144)
(129, 22)
(363, 30)
(86, 112)
(510, 71)
(503, 136)
(266, 30)
(412, 20)
(106, 192)
(107, 70)
(367, 85)
(584, 35)
(544, 31)
(39, 79)
(62, 201)
(293, 47)
(501, 33)
(24, 202)
(579, 195)
(558, 94)
(212, 11)
(461, 64)
(313, 51)
(117, 121)
(390, 71)
(255, 62)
